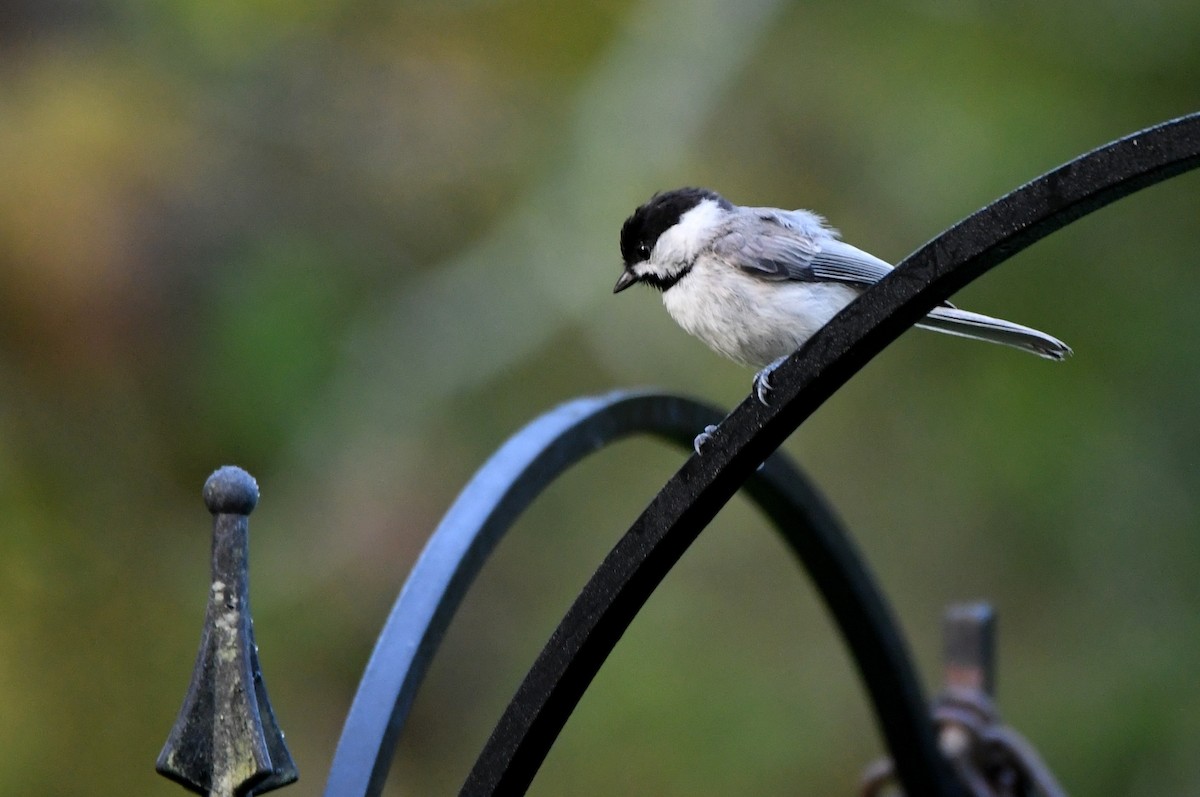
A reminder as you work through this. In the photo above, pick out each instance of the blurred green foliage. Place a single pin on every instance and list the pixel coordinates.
(351, 246)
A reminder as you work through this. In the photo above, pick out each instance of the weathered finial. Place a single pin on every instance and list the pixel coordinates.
(226, 742)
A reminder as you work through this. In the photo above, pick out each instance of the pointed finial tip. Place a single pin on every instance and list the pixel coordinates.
(230, 491)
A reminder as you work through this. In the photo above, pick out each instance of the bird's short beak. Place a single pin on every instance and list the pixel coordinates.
(627, 278)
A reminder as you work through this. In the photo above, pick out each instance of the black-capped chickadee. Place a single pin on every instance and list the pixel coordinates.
(756, 283)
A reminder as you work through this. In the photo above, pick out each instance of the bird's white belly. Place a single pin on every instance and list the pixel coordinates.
(754, 322)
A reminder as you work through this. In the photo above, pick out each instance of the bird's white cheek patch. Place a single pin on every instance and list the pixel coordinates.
(691, 233)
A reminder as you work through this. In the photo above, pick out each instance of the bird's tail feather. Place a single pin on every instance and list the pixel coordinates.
(964, 323)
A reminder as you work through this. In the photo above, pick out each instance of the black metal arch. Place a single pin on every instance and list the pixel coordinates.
(636, 565)
(505, 486)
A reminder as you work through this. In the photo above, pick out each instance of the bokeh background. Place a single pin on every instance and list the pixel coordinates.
(352, 246)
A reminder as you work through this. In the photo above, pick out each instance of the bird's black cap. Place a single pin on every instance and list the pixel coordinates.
(662, 212)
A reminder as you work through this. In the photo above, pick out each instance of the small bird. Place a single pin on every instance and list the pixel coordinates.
(756, 283)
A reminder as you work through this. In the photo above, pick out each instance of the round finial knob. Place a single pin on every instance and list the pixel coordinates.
(230, 491)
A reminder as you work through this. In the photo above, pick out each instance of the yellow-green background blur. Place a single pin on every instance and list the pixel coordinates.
(352, 246)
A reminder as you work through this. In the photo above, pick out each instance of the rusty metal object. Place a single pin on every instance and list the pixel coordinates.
(990, 759)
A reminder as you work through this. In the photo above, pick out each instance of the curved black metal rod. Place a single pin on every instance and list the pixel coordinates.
(511, 479)
(704, 484)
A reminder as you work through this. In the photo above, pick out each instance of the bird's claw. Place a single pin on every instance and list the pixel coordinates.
(762, 381)
(762, 387)
(703, 438)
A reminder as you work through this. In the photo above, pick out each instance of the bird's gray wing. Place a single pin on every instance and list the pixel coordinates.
(770, 254)
(779, 246)
(840, 262)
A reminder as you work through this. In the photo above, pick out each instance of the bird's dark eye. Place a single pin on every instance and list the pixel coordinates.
(643, 251)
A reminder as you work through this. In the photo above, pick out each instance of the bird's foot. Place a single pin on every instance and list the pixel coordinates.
(703, 438)
(762, 381)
